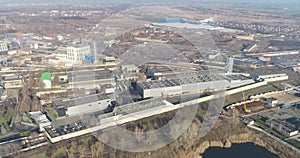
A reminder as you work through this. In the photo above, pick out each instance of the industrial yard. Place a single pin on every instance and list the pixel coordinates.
(72, 75)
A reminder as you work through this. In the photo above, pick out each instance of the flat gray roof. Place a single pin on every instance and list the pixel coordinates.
(78, 45)
(180, 80)
(79, 100)
(107, 86)
(189, 78)
(90, 75)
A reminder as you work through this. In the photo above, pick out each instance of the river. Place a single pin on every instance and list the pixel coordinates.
(246, 150)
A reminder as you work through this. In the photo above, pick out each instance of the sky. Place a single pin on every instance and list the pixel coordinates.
(258, 3)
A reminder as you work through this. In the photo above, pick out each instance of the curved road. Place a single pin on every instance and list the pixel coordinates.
(275, 138)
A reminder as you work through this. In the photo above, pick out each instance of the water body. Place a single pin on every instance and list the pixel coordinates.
(246, 150)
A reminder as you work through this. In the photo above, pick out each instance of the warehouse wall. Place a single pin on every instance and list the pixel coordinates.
(90, 107)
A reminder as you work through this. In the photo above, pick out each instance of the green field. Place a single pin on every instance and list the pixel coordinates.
(25, 134)
(7, 118)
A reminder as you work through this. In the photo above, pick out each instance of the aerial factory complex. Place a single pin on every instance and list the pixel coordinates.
(63, 77)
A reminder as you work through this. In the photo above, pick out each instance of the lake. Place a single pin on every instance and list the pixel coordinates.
(246, 150)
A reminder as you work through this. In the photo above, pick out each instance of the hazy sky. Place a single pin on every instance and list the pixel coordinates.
(261, 3)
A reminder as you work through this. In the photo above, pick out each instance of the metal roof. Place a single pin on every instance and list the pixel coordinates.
(79, 100)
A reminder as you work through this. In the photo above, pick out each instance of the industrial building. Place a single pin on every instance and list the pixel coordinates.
(41, 119)
(271, 102)
(159, 72)
(129, 68)
(282, 126)
(3, 48)
(109, 60)
(190, 82)
(270, 77)
(81, 105)
(249, 47)
(90, 79)
(294, 122)
(108, 88)
(12, 81)
(135, 107)
(76, 53)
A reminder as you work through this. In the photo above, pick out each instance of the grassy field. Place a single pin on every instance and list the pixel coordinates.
(51, 111)
(6, 119)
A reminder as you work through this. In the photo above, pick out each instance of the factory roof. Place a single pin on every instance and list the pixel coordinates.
(11, 77)
(161, 70)
(287, 64)
(107, 86)
(250, 46)
(129, 67)
(190, 78)
(281, 124)
(109, 58)
(79, 100)
(39, 117)
(90, 75)
(294, 121)
(180, 80)
(236, 77)
(79, 45)
(138, 106)
(159, 84)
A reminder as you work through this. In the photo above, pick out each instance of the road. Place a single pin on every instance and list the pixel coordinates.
(14, 136)
(275, 138)
(296, 137)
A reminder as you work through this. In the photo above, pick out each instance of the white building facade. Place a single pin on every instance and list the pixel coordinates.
(3, 46)
(76, 54)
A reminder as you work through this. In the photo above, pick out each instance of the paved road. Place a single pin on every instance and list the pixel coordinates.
(296, 137)
(14, 136)
(275, 138)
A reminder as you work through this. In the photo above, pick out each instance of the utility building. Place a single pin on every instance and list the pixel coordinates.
(81, 105)
(186, 83)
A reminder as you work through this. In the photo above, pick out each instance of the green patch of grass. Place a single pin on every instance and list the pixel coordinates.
(7, 127)
(26, 119)
(53, 113)
(9, 114)
(25, 134)
(233, 53)
(48, 105)
(1, 119)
